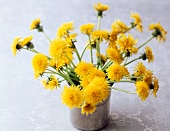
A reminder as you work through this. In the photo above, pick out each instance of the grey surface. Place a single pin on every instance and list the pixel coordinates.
(26, 106)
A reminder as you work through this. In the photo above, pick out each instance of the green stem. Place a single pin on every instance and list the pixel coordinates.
(84, 51)
(126, 60)
(132, 61)
(107, 65)
(121, 81)
(46, 36)
(98, 43)
(91, 52)
(98, 22)
(77, 53)
(146, 42)
(121, 90)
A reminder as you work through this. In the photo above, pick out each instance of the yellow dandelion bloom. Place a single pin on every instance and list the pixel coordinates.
(149, 54)
(142, 89)
(35, 23)
(85, 80)
(26, 40)
(51, 83)
(102, 84)
(140, 69)
(119, 27)
(116, 72)
(88, 108)
(16, 45)
(72, 97)
(39, 63)
(87, 29)
(100, 34)
(93, 94)
(64, 29)
(101, 7)
(159, 32)
(137, 21)
(114, 55)
(96, 73)
(148, 77)
(127, 44)
(83, 68)
(59, 51)
(156, 86)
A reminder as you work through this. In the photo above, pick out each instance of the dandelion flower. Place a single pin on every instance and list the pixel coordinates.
(88, 108)
(142, 89)
(35, 24)
(51, 83)
(16, 45)
(137, 21)
(72, 97)
(148, 76)
(100, 34)
(149, 54)
(93, 94)
(39, 63)
(26, 40)
(116, 72)
(127, 44)
(100, 8)
(119, 27)
(83, 68)
(140, 69)
(159, 32)
(156, 86)
(64, 29)
(87, 29)
(114, 55)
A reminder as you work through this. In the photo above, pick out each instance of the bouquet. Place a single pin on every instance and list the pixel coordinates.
(89, 82)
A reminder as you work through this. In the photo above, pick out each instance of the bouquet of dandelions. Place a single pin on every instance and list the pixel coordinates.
(89, 83)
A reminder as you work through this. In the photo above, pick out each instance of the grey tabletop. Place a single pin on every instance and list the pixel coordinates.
(26, 106)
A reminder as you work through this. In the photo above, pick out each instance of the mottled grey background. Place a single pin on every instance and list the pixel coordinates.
(26, 106)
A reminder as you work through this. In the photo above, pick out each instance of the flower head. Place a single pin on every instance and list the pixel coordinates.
(72, 97)
(51, 83)
(114, 55)
(137, 21)
(156, 86)
(148, 77)
(116, 72)
(149, 54)
(127, 44)
(39, 63)
(142, 89)
(100, 34)
(35, 24)
(83, 68)
(26, 40)
(119, 27)
(100, 8)
(60, 51)
(88, 108)
(87, 29)
(16, 45)
(158, 32)
(65, 29)
(140, 69)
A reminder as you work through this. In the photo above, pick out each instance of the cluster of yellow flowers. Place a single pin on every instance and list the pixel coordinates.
(89, 83)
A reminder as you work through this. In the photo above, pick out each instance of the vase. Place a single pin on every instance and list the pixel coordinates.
(95, 121)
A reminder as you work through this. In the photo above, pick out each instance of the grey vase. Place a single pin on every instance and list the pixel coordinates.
(95, 121)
